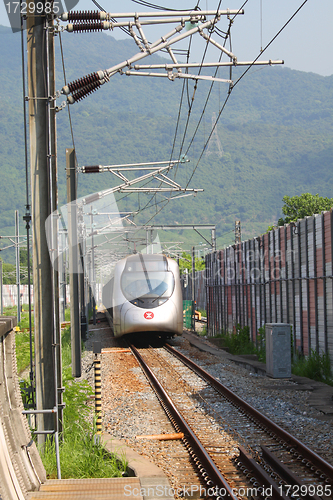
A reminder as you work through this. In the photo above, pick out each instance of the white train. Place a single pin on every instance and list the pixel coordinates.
(144, 295)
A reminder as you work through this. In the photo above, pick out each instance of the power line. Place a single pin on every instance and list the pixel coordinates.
(272, 40)
(65, 81)
(233, 86)
(159, 7)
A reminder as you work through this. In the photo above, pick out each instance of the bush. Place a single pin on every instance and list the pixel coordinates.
(81, 455)
(239, 342)
(316, 367)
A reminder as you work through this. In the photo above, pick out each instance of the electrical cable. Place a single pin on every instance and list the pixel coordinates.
(69, 111)
(159, 7)
(228, 35)
(237, 81)
(189, 113)
(127, 31)
(178, 120)
(269, 43)
(194, 91)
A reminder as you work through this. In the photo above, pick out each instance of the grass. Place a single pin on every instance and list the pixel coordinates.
(316, 367)
(81, 458)
(203, 332)
(239, 342)
(203, 312)
(81, 455)
(22, 337)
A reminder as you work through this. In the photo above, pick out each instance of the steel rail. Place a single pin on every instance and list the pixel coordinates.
(261, 475)
(196, 449)
(296, 446)
(286, 474)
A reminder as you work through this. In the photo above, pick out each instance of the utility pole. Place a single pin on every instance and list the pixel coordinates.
(193, 288)
(238, 233)
(214, 135)
(74, 262)
(17, 254)
(1, 289)
(93, 265)
(42, 129)
(83, 317)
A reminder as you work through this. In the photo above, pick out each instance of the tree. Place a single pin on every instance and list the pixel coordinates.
(9, 274)
(298, 207)
(185, 262)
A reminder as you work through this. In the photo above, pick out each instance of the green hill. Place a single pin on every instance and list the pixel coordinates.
(276, 133)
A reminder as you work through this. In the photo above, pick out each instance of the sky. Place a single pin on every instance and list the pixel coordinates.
(305, 44)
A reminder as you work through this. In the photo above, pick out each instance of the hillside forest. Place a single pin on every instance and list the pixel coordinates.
(274, 138)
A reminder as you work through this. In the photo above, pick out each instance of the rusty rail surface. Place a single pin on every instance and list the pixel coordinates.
(211, 473)
(296, 446)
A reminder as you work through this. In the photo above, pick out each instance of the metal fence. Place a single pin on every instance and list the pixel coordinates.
(199, 289)
(283, 276)
(9, 294)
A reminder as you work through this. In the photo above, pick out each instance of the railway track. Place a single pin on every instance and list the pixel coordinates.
(231, 448)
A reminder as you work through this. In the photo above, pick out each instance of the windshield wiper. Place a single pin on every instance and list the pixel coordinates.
(159, 296)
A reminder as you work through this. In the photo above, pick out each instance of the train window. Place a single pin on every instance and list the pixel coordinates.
(142, 263)
(147, 289)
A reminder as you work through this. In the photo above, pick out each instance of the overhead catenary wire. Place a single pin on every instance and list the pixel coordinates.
(212, 84)
(69, 111)
(159, 7)
(225, 38)
(127, 31)
(195, 88)
(236, 82)
(184, 136)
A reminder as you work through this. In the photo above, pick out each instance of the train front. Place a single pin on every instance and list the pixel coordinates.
(148, 298)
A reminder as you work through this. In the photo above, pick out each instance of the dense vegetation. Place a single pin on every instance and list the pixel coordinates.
(276, 134)
(298, 207)
(81, 454)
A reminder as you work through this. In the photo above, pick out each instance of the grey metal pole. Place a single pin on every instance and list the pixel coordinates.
(61, 277)
(39, 128)
(17, 255)
(73, 254)
(93, 266)
(214, 239)
(152, 240)
(1, 289)
(193, 286)
(82, 293)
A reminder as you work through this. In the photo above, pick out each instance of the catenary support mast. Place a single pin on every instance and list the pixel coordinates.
(41, 86)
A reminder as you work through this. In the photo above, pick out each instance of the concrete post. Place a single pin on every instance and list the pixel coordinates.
(38, 47)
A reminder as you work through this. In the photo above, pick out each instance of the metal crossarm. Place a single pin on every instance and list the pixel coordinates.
(197, 21)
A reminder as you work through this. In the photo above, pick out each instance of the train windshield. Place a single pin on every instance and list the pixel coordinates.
(146, 280)
(152, 285)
